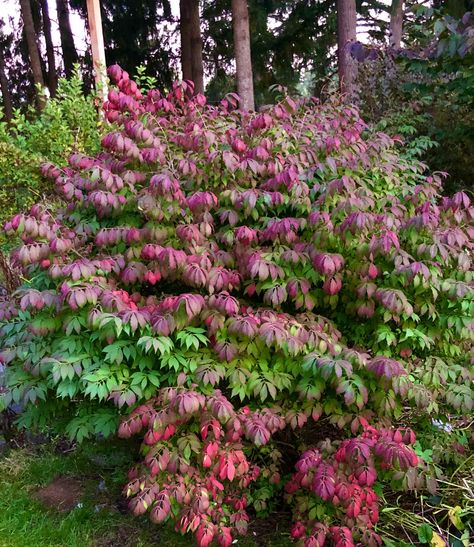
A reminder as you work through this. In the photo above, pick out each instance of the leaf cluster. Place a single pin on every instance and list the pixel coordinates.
(263, 268)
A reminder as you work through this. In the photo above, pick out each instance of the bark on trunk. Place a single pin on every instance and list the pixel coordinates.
(346, 34)
(7, 99)
(38, 26)
(36, 14)
(67, 40)
(243, 60)
(185, 32)
(396, 24)
(33, 50)
(52, 76)
(196, 47)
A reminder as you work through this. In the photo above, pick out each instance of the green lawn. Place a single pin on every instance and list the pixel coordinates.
(98, 516)
(26, 521)
(98, 520)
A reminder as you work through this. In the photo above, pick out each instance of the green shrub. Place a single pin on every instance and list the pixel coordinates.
(68, 123)
(426, 92)
(184, 278)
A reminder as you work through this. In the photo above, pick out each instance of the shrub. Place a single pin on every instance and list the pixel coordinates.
(341, 482)
(195, 254)
(444, 75)
(426, 91)
(196, 467)
(70, 122)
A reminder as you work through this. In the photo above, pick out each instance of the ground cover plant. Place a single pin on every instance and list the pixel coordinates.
(220, 281)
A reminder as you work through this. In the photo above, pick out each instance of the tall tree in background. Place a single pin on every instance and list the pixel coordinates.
(396, 24)
(70, 56)
(292, 44)
(191, 43)
(196, 47)
(38, 26)
(185, 34)
(302, 46)
(346, 34)
(243, 59)
(52, 76)
(6, 95)
(33, 50)
(138, 33)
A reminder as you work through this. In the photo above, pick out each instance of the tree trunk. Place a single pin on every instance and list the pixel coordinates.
(99, 62)
(52, 76)
(196, 47)
(7, 98)
(185, 32)
(346, 34)
(37, 17)
(33, 50)
(243, 60)
(396, 24)
(38, 26)
(70, 56)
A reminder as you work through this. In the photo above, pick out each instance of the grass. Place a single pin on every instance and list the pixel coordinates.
(97, 520)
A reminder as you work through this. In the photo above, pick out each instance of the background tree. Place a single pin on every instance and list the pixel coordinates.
(18, 65)
(196, 47)
(39, 31)
(52, 76)
(191, 43)
(292, 45)
(346, 34)
(4, 87)
(218, 47)
(185, 34)
(243, 60)
(455, 8)
(70, 56)
(396, 24)
(33, 49)
(139, 33)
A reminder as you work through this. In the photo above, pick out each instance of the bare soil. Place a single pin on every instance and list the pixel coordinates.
(125, 536)
(62, 494)
(271, 530)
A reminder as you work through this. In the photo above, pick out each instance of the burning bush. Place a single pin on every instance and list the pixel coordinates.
(185, 277)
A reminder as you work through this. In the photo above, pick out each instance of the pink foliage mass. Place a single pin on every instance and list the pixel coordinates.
(342, 475)
(191, 262)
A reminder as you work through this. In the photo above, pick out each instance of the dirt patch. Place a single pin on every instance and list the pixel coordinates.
(62, 494)
(292, 443)
(124, 536)
(121, 505)
(272, 530)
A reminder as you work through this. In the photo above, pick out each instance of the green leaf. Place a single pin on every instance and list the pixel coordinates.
(425, 533)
